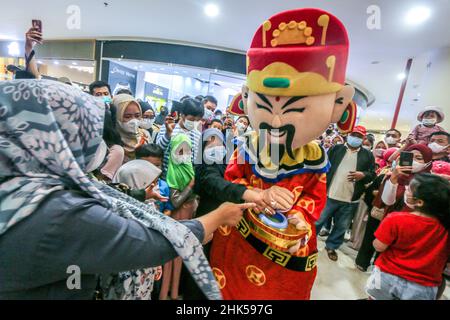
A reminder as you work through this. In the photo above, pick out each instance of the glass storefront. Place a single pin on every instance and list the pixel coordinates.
(160, 83)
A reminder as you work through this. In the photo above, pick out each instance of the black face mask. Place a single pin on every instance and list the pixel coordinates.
(329, 131)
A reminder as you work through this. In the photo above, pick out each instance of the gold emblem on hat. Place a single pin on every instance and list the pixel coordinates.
(225, 230)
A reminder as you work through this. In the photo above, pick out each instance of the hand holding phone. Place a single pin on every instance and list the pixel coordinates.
(406, 159)
(37, 25)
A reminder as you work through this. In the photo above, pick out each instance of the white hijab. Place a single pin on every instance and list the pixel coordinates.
(137, 174)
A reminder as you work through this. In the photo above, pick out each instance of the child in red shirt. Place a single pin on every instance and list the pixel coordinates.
(414, 246)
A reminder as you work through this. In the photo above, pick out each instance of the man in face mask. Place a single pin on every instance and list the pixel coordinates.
(102, 90)
(210, 105)
(352, 167)
(440, 145)
(392, 138)
(191, 113)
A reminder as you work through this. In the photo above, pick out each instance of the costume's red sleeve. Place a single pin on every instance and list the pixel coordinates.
(235, 171)
(313, 196)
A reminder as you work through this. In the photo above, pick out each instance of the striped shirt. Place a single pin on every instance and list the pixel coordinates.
(195, 136)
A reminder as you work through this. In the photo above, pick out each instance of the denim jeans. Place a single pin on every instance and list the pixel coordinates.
(386, 286)
(342, 214)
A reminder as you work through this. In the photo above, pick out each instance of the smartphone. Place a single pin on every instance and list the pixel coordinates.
(406, 159)
(37, 24)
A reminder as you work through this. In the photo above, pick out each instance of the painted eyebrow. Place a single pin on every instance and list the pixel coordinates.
(263, 98)
(292, 100)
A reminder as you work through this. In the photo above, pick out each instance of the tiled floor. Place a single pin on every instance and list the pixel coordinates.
(341, 280)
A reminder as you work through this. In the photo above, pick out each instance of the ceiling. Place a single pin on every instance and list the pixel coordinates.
(184, 21)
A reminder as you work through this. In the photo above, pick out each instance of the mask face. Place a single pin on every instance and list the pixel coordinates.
(98, 159)
(390, 140)
(378, 153)
(241, 127)
(367, 148)
(429, 122)
(406, 199)
(190, 125)
(130, 126)
(146, 123)
(184, 159)
(107, 99)
(215, 154)
(436, 148)
(354, 142)
(208, 114)
(419, 167)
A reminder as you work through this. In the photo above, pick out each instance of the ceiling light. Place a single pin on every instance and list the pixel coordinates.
(56, 62)
(211, 10)
(417, 15)
(40, 62)
(74, 63)
(401, 76)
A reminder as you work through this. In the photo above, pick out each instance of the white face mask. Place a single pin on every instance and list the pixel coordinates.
(98, 158)
(429, 122)
(437, 148)
(131, 126)
(405, 200)
(390, 140)
(367, 148)
(241, 127)
(378, 152)
(208, 114)
(184, 159)
(146, 123)
(215, 154)
(418, 167)
(190, 125)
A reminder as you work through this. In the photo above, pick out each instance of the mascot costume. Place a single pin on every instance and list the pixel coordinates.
(295, 88)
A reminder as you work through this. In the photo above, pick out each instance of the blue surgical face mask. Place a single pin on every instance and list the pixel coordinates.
(107, 99)
(354, 142)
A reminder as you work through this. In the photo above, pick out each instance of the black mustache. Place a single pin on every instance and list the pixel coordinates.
(290, 130)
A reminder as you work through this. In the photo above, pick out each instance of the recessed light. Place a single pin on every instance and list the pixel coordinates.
(56, 62)
(211, 10)
(401, 76)
(40, 62)
(419, 95)
(74, 63)
(417, 15)
(162, 69)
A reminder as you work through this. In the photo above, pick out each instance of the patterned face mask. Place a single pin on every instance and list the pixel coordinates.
(49, 132)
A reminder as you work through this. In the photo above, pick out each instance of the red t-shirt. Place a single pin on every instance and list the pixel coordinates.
(418, 248)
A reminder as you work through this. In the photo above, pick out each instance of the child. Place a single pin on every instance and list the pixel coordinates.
(140, 175)
(414, 245)
(429, 119)
(180, 178)
(154, 154)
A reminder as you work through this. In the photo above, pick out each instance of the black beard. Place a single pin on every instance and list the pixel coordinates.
(290, 132)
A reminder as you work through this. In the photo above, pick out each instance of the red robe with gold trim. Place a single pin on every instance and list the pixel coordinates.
(245, 274)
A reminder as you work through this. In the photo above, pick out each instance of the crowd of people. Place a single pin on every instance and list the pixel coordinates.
(173, 163)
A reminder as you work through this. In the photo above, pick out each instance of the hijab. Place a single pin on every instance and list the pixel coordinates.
(49, 132)
(179, 175)
(130, 140)
(137, 174)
